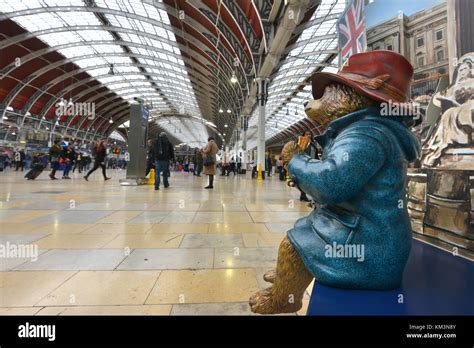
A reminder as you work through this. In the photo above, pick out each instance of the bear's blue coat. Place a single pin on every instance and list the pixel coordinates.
(360, 188)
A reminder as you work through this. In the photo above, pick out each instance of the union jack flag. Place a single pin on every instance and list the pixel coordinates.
(351, 30)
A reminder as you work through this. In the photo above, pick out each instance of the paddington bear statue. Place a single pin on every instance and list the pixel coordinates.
(358, 185)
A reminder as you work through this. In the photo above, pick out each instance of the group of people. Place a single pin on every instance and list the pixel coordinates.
(160, 153)
(72, 159)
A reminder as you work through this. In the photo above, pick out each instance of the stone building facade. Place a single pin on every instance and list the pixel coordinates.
(422, 39)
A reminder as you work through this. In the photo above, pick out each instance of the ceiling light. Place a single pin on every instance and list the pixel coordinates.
(224, 134)
(13, 133)
(233, 79)
(226, 126)
(221, 111)
(111, 70)
(111, 121)
(61, 102)
(228, 111)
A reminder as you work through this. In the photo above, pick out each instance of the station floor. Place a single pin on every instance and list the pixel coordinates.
(107, 249)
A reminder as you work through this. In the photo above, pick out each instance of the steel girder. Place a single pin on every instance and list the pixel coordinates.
(109, 91)
(118, 13)
(229, 35)
(65, 61)
(93, 88)
(8, 69)
(315, 21)
(241, 19)
(94, 9)
(192, 119)
(78, 71)
(50, 49)
(111, 106)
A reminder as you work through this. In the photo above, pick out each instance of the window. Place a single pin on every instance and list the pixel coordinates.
(439, 56)
(390, 47)
(439, 35)
(420, 42)
(421, 61)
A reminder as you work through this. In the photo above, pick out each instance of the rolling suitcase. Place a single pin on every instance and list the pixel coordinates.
(35, 171)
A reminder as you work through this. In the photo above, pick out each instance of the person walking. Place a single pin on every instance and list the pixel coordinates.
(269, 165)
(100, 155)
(209, 161)
(78, 163)
(163, 153)
(198, 162)
(149, 157)
(69, 157)
(225, 164)
(19, 159)
(55, 153)
(281, 172)
(233, 165)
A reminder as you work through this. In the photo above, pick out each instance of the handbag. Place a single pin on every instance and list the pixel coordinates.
(208, 161)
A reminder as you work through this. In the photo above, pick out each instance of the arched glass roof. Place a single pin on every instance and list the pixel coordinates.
(315, 50)
(186, 59)
(166, 85)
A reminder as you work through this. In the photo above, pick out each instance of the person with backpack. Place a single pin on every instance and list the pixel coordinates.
(100, 154)
(163, 153)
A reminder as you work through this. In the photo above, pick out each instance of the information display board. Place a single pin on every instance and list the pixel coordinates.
(137, 139)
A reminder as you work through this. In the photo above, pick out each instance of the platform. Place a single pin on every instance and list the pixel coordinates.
(206, 250)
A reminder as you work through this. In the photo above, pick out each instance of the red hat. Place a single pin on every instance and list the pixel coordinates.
(380, 75)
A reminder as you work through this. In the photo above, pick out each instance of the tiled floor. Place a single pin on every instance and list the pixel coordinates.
(112, 250)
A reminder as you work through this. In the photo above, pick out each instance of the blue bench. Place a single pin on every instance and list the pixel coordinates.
(434, 283)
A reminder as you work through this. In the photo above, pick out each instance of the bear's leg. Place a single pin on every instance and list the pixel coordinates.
(291, 280)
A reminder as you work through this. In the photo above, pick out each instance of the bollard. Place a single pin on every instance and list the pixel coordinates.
(151, 179)
(259, 171)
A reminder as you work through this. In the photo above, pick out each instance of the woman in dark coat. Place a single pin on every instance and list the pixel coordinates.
(100, 154)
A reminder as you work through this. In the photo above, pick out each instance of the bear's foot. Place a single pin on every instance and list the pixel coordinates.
(264, 302)
(270, 276)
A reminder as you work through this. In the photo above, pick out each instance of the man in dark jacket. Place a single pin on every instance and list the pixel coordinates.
(163, 153)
